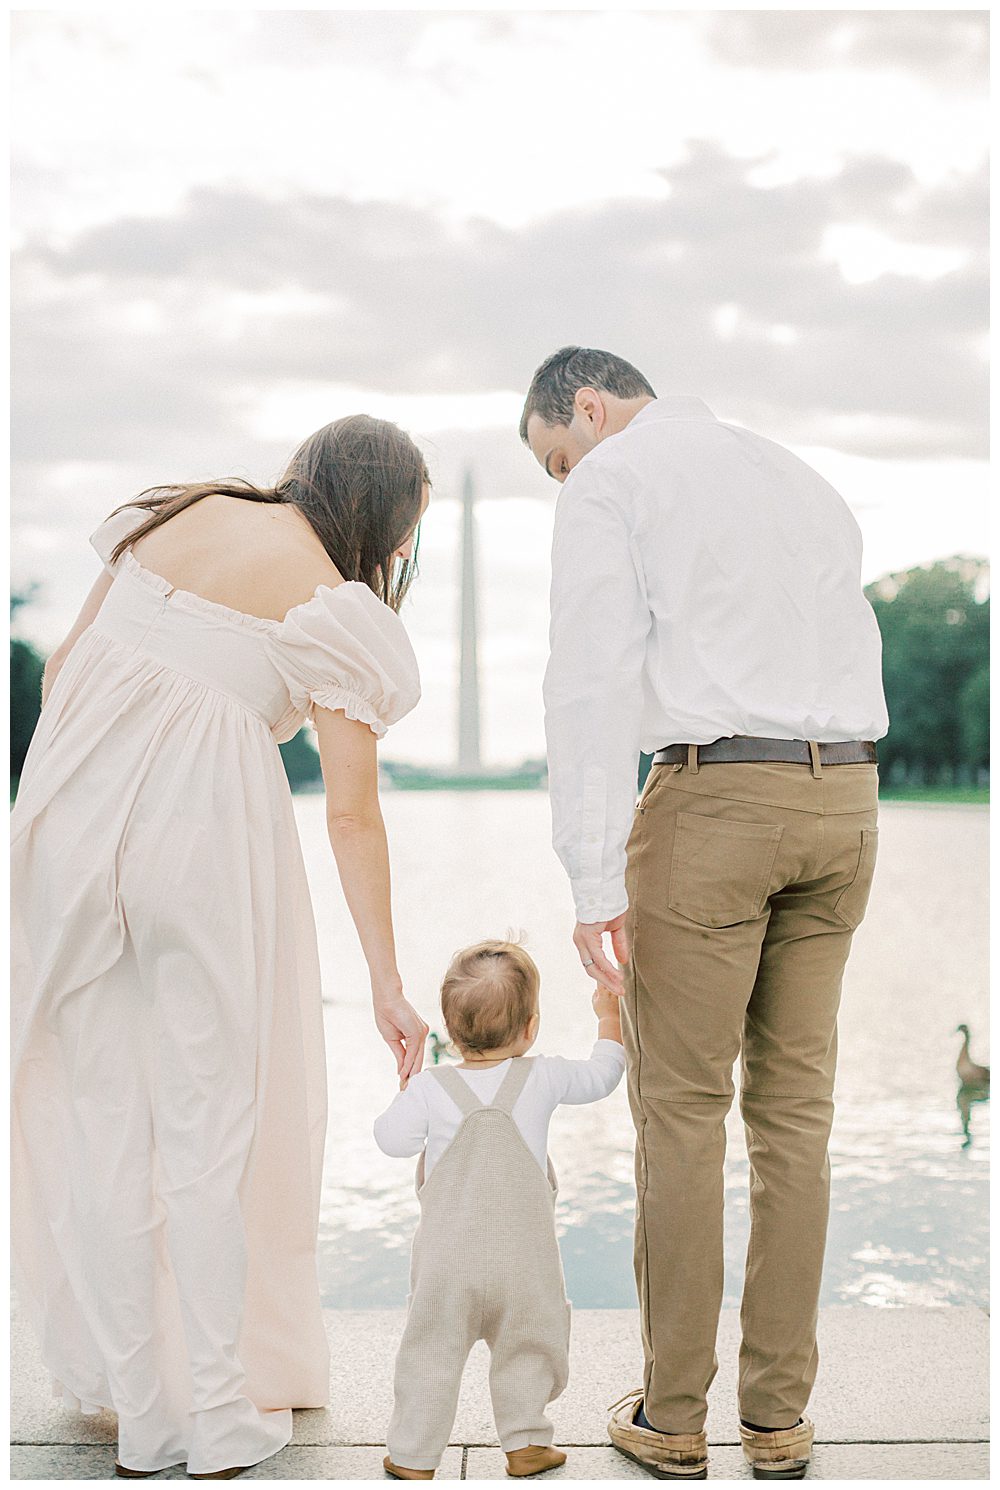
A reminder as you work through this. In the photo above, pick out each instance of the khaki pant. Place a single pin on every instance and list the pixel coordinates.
(745, 881)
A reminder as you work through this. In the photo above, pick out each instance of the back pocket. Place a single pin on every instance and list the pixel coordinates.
(852, 903)
(720, 869)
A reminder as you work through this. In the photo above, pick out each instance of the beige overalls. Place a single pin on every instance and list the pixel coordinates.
(485, 1266)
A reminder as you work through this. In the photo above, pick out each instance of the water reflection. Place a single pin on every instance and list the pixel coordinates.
(908, 1222)
(974, 1083)
(967, 1098)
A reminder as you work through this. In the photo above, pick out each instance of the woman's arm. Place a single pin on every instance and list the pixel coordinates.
(357, 836)
(91, 606)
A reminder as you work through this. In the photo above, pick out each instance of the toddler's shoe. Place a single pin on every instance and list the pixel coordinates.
(668, 1456)
(783, 1455)
(535, 1459)
(399, 1473)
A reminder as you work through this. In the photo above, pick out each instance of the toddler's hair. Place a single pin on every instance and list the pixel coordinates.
(489, 995)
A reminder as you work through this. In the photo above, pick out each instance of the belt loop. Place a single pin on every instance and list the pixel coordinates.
(817, 769)
(693, 759)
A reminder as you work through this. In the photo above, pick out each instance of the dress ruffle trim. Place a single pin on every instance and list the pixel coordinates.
(354, 705)
(189, 601)
(264, 625)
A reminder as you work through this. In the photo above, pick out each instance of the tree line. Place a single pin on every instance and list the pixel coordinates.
(935, 625)
(934, 620)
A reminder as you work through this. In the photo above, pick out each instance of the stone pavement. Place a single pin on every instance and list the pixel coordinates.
(902, 1394)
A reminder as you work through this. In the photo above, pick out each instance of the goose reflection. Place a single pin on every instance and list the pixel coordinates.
(974, 1084)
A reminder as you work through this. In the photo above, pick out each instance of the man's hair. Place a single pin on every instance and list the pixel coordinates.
(489, 995)
(555, 383)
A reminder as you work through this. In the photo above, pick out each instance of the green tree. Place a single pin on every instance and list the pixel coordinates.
(974, 719)
(25, 699)
(935, 623)
(301, 761)
(25, 692)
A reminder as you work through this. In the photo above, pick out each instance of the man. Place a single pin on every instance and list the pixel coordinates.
(706, 605)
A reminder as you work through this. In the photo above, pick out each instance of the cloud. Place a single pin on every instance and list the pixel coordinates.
(164, 335)
(950, 46)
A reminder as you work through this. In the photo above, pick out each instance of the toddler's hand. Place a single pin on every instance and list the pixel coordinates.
(605, 1003)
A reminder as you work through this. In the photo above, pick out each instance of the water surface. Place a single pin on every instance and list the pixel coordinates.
(909, 1214)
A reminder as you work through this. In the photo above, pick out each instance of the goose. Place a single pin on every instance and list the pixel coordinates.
(969, 1074)
(438, 1047)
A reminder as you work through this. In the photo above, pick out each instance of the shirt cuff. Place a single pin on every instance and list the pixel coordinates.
(601, 905)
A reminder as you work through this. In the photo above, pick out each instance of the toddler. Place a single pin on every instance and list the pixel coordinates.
(485, 1263)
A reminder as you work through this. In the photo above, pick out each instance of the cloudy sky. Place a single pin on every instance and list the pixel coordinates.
(233, 226)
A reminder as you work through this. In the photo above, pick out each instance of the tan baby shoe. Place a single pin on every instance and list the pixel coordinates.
(779, 1456)
(535, 1459)
(668, 1456)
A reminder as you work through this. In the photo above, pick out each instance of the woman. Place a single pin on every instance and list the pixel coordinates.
(169, 1073)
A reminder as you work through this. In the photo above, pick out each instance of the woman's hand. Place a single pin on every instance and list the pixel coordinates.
(403, 1031)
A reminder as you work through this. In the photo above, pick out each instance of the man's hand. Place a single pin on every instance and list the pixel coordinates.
(588, 939)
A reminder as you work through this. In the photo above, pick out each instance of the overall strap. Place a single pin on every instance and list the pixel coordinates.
(513, 1084)
(458, 1089)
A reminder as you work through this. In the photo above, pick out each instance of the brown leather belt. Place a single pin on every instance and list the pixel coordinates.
(758, 748)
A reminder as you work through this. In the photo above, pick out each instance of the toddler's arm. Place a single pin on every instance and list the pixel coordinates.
(589, 1081)
(577, 1082)
(401, 1131)
(607, 1006)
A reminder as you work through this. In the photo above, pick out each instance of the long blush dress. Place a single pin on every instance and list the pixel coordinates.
(169, 1090)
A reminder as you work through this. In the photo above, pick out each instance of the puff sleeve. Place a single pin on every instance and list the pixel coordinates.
(345, 649)
(119, 525)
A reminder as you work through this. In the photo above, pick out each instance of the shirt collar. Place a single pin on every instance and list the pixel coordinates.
(680, 406)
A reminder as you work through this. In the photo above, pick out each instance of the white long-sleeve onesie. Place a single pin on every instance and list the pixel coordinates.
(424, 1114)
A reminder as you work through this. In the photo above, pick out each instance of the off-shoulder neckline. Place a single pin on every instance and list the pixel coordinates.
(265, 624)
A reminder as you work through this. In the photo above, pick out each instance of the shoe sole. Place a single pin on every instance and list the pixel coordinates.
(796, 1472)
(658, 1472)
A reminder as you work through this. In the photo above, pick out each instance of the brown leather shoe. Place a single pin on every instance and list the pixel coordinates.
(668, 1456)
(133, 1474)
(779, 1456)
(398, 1472)
(535, 1459)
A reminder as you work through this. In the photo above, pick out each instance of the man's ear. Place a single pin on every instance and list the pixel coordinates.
(589, 404)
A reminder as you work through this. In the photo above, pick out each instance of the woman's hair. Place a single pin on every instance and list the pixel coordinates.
(359, 483)
(489, 995)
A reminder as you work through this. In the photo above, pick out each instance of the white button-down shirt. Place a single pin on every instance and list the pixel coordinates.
(706, 582)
